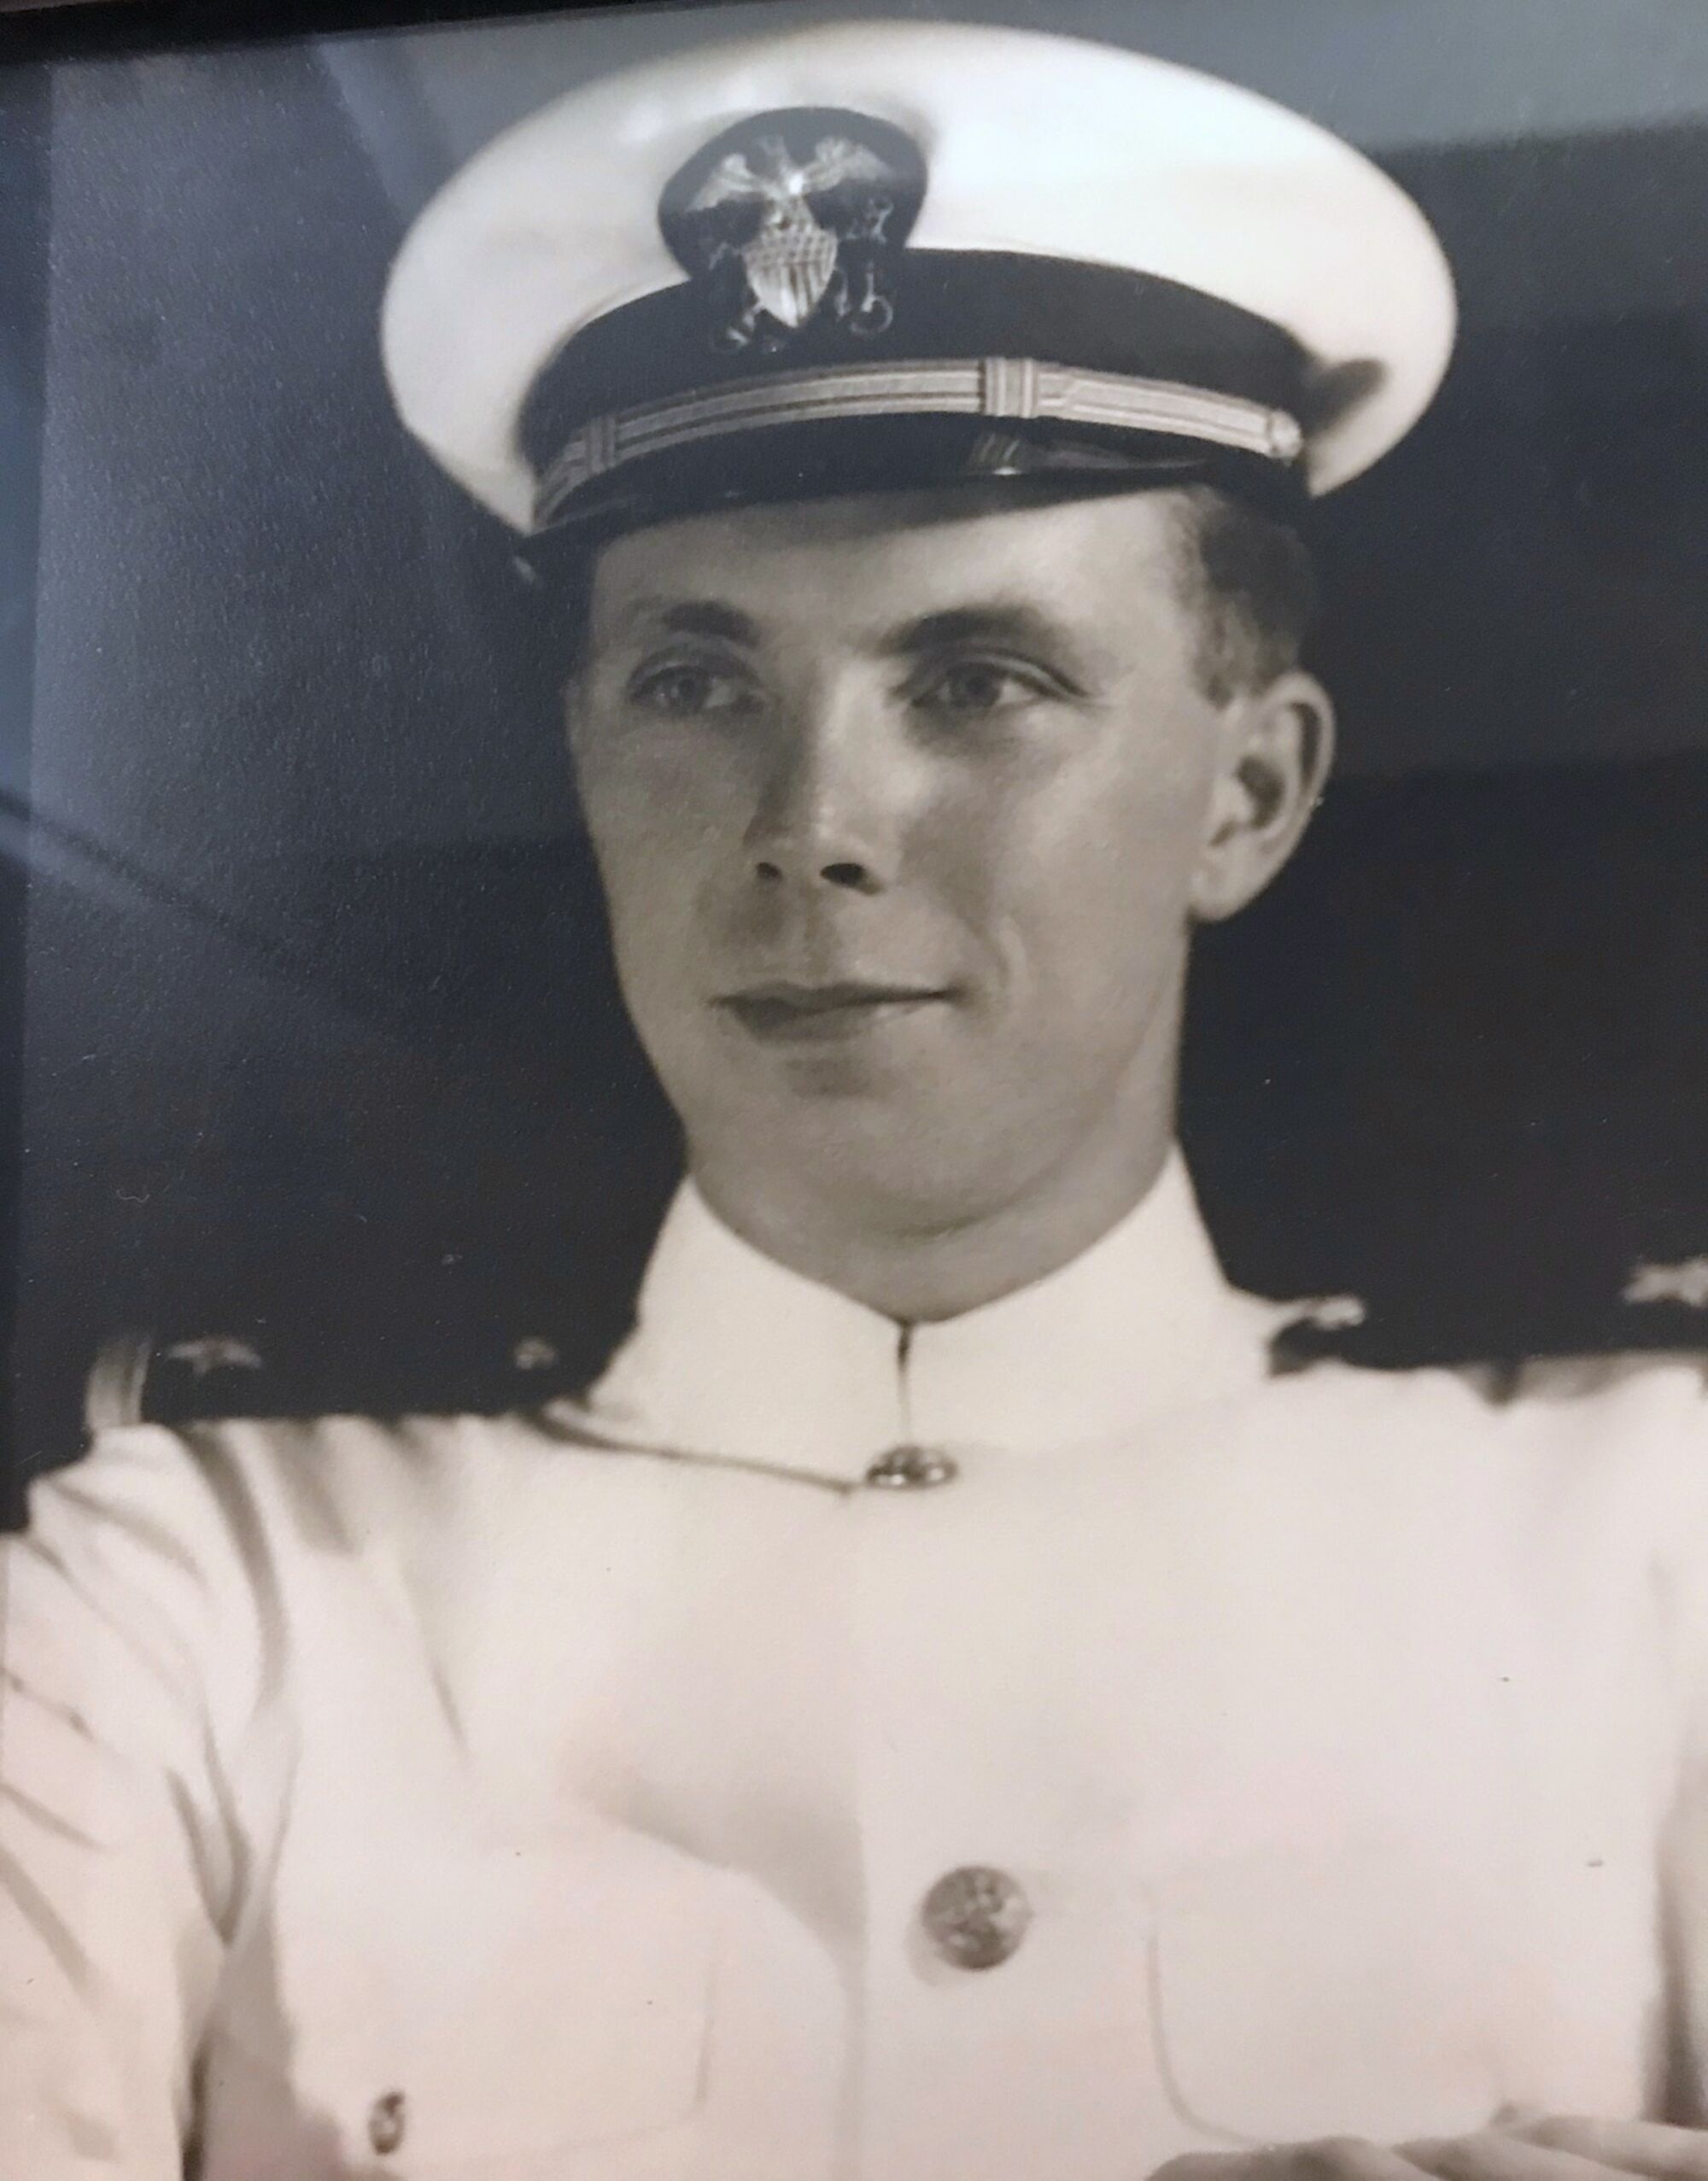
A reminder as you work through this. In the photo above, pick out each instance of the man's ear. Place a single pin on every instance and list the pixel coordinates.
(1277, 745)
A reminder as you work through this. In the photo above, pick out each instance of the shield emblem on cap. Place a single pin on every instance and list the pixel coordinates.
(789, 264)
(789, 219)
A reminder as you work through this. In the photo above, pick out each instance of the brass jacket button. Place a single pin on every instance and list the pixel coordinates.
(911, 1469)
(386, 2117)
(976, 1917)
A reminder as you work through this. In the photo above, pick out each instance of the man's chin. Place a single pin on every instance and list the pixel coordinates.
(894, 1157)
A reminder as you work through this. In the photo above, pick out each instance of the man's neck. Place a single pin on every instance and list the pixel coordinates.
(919, 1275)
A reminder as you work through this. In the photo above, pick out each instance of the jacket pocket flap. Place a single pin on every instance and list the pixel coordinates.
(494, 2005)
(1299, 1998)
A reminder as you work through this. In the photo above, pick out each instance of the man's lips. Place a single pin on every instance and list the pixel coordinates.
(791, 1012)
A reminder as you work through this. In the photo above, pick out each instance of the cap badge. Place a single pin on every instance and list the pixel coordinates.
(789, 219)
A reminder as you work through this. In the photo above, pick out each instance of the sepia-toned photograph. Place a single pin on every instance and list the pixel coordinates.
(854, 1092)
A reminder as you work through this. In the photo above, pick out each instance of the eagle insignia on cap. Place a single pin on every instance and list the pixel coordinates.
(788, 220)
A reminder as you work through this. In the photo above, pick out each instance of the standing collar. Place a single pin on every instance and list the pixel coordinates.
(734, 1355)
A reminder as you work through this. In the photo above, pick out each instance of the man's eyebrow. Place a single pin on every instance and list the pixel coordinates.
(999, 622)
(692, 617)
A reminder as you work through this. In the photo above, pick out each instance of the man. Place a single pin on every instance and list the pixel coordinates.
(947, 1702)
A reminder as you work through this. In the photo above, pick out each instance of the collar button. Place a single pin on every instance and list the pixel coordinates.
(911, 1469)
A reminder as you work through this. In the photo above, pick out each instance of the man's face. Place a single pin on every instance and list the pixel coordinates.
(899, 804)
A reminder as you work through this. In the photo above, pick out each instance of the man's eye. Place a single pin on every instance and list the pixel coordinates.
(971, 686)
(684, 691)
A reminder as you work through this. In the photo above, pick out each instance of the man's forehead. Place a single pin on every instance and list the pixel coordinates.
(1031, 542)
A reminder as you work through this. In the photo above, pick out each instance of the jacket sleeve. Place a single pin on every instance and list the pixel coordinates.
(130, 1657)
(1682, 1595)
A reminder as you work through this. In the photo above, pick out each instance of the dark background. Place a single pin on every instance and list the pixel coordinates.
(320, 1046)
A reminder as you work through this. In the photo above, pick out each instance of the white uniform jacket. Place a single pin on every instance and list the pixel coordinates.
(1170, 1754)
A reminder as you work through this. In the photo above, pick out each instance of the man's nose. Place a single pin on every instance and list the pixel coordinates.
(830, 814)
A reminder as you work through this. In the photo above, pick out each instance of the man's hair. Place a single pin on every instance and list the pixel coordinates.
(1250, 579)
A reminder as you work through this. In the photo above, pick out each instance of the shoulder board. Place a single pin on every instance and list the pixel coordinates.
(1307, 1341)
(143, 1377)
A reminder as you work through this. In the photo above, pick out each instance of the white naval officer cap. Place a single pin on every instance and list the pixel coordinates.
(878, 253)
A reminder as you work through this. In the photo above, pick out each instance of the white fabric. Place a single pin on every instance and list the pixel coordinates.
(581, 1789)
(734, 1354)
(1036, 144)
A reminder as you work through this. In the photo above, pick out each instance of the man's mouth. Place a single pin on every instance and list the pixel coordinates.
(788, 1013)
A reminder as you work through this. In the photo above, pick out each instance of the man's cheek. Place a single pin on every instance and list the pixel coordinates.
(654, 939)
(658, 937)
